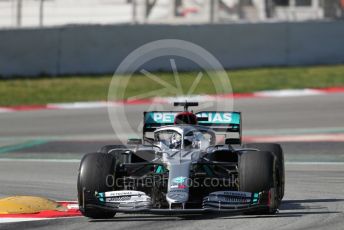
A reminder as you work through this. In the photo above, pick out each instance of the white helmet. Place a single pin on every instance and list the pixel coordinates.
(176, 141)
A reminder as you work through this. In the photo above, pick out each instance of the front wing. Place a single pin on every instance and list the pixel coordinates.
(232, 202)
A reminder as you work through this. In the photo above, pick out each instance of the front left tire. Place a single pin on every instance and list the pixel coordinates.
(96, 169)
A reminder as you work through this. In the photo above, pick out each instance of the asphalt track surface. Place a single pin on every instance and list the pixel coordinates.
(48, 167)
(308, 112)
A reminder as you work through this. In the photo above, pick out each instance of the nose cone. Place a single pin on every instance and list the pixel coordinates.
(177, 196)
(178, 183)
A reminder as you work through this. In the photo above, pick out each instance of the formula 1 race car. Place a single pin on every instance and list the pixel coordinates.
(180, 167)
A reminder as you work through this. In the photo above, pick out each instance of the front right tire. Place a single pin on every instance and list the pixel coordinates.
(277, 150)
(256, 174)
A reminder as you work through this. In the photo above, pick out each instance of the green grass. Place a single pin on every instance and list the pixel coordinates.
(44, 90)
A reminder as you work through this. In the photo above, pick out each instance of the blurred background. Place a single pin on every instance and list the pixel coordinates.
(38, 13)
(263, 44)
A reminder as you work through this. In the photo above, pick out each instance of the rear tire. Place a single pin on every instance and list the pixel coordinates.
(109, 148)
(277, 150)
(93, 175)
(137, 156)
(256, 174)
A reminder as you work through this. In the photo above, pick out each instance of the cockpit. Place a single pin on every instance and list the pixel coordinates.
(184, 137)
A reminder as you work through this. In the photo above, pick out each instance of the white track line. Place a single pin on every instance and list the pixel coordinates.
(289, 93)
(313, 163)
(19, 219)
(40, 160)
(336, 137)
(14, 220)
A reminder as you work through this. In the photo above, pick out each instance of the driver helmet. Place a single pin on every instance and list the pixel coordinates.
(176, 141)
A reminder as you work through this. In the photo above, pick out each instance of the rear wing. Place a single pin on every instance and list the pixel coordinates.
(222, 122)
